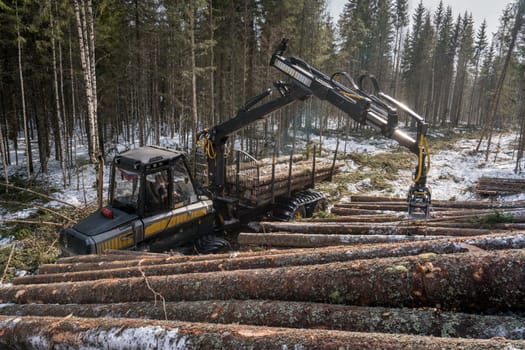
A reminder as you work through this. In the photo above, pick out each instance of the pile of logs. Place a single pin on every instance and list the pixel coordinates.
(496, 186)
(264, 180)
(452, 286)
(384, 219)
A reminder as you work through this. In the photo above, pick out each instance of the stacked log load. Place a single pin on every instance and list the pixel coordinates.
(497, 186)
(459, 284)
(261, 181)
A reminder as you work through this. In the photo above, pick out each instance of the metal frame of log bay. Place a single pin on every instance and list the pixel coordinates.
(258, 182)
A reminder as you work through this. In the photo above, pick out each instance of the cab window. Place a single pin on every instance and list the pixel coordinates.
(156, 192)
(183, 191)
(126, 189)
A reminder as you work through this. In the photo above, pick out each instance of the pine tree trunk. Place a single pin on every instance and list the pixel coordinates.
(29, 159)
(518, 23)
(339, 228)
(112, 333)
(293, 315)
(465, 282)
(312, 240)
(3, 154)
(60, 137)
(169, 266)
(194, 111)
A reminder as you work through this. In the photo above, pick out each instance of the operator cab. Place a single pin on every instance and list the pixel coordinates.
(149, 180)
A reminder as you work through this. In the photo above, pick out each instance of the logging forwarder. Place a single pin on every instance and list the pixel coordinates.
(143, 214)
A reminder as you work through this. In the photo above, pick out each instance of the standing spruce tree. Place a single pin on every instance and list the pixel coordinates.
(380, 41)
(443, 64)
(417, 60)
(519, 10)
(480, 47)
(19, 39)
(354, 27)
(400, 21)
(487, 83)
(3, 86)
(465, 55)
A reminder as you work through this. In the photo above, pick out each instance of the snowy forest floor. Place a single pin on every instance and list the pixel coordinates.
(373, 165)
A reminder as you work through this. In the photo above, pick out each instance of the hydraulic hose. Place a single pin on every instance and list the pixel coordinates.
(423, 146)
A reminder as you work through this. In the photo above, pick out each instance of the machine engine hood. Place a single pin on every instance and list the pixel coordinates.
(96, 223)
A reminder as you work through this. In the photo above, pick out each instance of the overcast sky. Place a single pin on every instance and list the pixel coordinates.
(490, 10)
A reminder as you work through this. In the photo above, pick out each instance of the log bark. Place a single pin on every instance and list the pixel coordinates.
(312, 240)
(490, 242)
(499, 186)
(112, 255)
(105, 262)
(353, 211)
(373, 206)
(471, 204)
(365, 198)
(369, 229)
(475, 214)
(77, 333)
(360, 218)
(303, 169)
(429, 322)
(466, 281)
(285, 258)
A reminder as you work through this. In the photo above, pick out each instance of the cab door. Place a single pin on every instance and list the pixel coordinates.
(171, 205)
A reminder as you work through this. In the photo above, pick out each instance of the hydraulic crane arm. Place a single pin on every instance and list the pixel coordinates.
(214, 140)
(377, 110)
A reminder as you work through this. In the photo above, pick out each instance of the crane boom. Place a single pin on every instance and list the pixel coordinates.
(376, 109)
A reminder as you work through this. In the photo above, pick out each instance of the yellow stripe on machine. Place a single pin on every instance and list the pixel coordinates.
(173, 221)
(121, 241)
(125, 239)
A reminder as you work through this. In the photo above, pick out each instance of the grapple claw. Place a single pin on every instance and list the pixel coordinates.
(419, 201)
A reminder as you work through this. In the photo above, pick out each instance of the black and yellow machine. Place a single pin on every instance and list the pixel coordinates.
(155, 203)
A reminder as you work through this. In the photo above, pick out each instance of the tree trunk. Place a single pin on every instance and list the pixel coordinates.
(294, 315)
(195, 116)
(489, 126)
(339, 228)
(467, 281)
(273, 258)
(3, 154)
(29, 159)
(76, 333)
(472, 204)
(86, 34)
(157, 267)
(360, 218)
(60, 138)
(312, 240)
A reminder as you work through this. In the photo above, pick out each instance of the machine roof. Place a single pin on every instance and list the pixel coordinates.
(148, 155)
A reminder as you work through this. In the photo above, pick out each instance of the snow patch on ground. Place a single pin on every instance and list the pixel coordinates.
(453, 173)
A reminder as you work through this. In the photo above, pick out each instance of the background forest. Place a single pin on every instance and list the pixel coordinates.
(113, 72)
